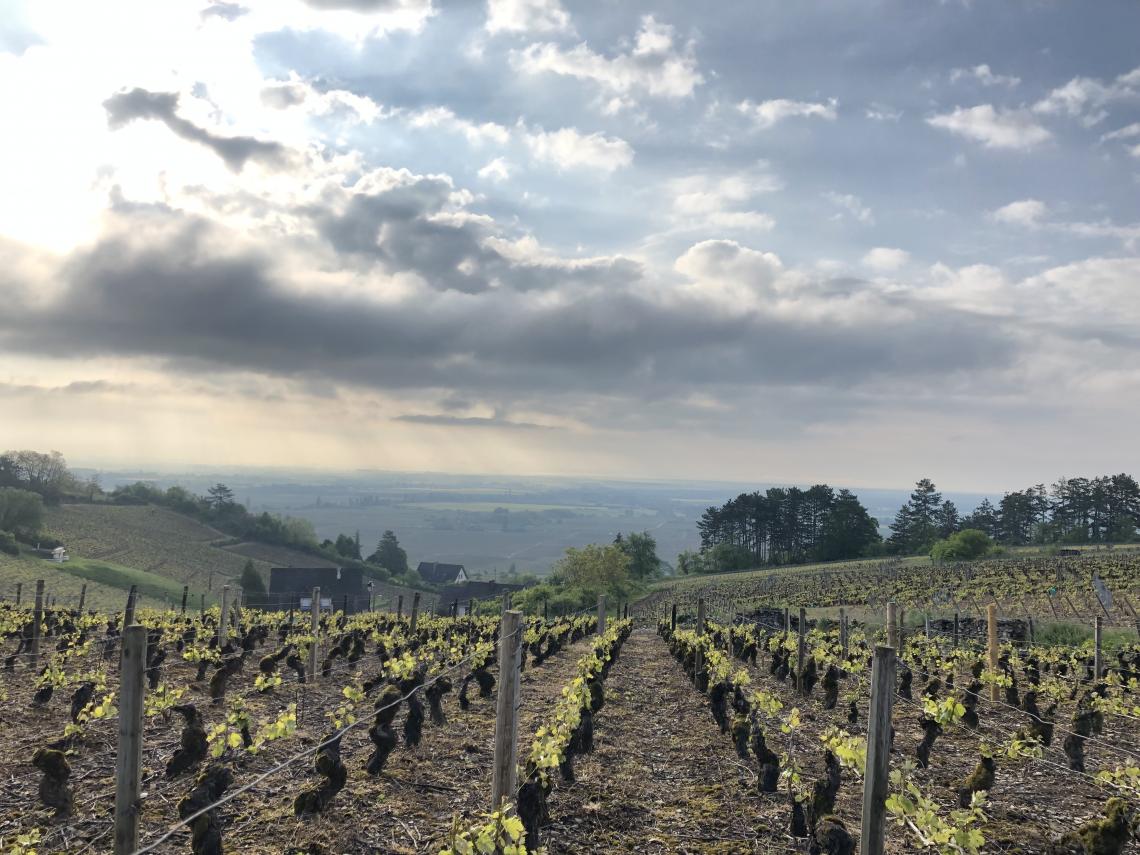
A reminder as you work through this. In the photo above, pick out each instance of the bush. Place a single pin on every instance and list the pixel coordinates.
(8, 544)
(965, 545)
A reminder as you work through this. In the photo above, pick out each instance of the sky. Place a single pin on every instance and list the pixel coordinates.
(811, 241)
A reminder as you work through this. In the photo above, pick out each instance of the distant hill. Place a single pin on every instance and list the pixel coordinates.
(115, 546)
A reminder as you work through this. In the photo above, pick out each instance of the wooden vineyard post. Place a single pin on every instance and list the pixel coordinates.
(892, 626)
(128, 756)
(992, 648)
(955, 630)
(875, 781)
(927, 625)
(415, 610)
(224, 617)
(185, 594)
(1032, 634)
(545, 611)
(314, 628)
(238, 596)
(843, 631)
(901, 630)
(399, 606)
(801, 649)
(129, 612)
(699, 658)
(504, 775)
(601, 614)
(82, 596)
(201, 605)
(19, 591)
(787, 622)
(37, 616)
(1096, 648)
(673, 620)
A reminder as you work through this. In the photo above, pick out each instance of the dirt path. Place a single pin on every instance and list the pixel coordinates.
(662, 778)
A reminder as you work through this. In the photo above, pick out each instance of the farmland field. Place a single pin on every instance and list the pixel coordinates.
(705, 740)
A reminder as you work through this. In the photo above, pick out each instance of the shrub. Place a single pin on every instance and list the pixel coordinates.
(8, 544)
(964, 545)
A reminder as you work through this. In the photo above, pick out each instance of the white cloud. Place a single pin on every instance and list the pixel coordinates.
(1127, 132)
(884, 259)
(768, 113)
(443, 117)
(1026, 212)
(526, 16)
(654, 66)
(1085, 98)
(497, 170)
(984, 76)
(993, 128)
(882, 113)
(569, 149)
(850, 205)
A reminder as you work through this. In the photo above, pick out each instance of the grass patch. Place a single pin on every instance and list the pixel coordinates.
(150, 585)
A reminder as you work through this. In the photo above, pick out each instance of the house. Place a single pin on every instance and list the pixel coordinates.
(292, 587)
(438, 573)
(460, 595)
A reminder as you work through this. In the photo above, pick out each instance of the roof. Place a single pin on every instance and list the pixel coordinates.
(474, 591)
(438, 573)
(331, 580)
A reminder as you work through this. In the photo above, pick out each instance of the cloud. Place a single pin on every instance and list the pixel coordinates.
(496, 170)
(1027, 212)
(567, 148)
(1012, 129)
(1085, 98)
(128, 106)
(470, 422)
(1127, 132)
(654, 66)
(704, 201)
(882, 113)
(224, 10)
(983, 75)
(885, 260)
(526, 16)
(768, 113)
(369, 7)
(850, 205)
(444, 117)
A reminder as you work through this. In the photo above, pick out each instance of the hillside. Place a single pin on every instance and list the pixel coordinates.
(115, 546)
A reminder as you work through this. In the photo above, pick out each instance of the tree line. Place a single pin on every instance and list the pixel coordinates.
(1104, 509)
(783, 525)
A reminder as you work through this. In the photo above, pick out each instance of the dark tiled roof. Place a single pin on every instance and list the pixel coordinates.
(437, 572)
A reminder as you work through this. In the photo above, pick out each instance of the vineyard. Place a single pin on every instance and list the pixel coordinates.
(1050, 588)
(680, 725)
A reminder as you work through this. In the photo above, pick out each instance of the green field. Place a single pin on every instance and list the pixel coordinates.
(107, 582)
(490, 507)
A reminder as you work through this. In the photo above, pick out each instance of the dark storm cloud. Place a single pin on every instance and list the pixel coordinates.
(169, 291)
(125, 107)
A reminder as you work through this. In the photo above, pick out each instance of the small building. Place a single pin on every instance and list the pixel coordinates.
(438, 573)
(57, 554)
(292, 587)
(460, 595)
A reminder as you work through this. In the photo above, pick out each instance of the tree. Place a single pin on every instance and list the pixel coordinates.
(642, 551)
(965, 545)
(346, 547)
(220, 497)
(595, 569)
(916, 524)
(947, 519)
(20, 510)
(984, 518)
(690, 563)
(389, 554)
(251, 581)
(849, 530)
